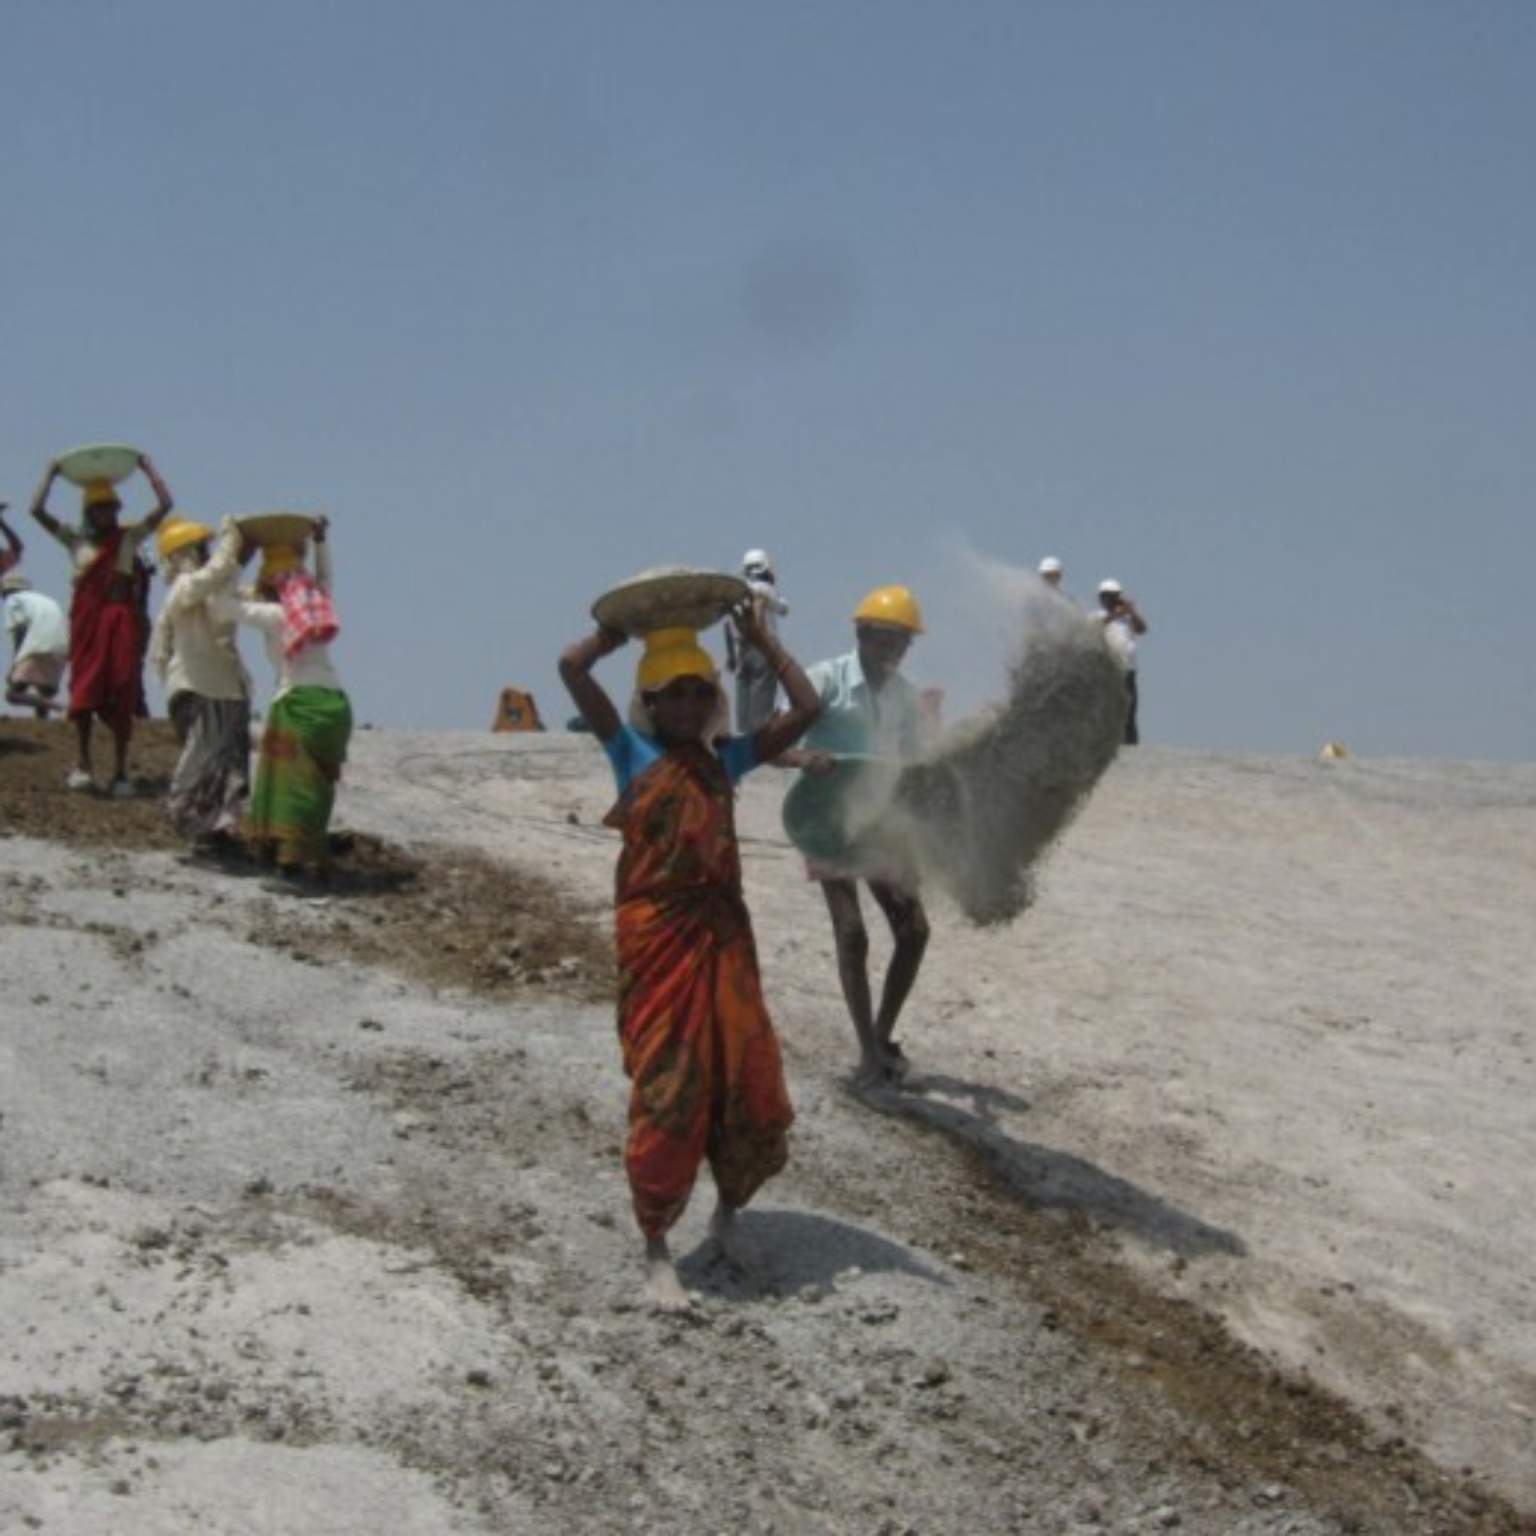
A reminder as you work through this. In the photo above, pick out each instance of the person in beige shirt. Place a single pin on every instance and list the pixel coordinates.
(207, 690)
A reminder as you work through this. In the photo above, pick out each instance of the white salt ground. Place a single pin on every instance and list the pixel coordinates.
(1268, 1025)
(1294, 997)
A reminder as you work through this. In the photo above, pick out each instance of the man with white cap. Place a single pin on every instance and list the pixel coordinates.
(1052, 573)
(1123, 626)
(757, 688)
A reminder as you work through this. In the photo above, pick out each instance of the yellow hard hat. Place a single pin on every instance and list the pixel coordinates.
(100, 493)
(670, 654)
(178, 532)
(891, 605)
(278, 560)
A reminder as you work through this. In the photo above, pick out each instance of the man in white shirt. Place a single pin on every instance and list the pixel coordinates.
(207, 690)
(1123, 627)
(757, 687)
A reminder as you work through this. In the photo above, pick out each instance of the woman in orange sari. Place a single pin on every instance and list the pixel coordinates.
(707, 1081)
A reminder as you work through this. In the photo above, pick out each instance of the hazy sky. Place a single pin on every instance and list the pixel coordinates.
(1233, 301)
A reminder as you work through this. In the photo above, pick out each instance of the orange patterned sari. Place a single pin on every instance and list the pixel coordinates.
(699, 1049)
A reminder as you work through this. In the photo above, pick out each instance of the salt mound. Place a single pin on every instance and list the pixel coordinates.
(981, 809)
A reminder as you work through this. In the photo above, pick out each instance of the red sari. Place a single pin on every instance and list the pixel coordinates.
(106, 641)
(699, 1048)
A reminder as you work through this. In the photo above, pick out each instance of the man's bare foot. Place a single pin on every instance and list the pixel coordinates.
(897, 1067)
(870, 1072)
(663, 1289)
(879, 1069)
(725, 1234)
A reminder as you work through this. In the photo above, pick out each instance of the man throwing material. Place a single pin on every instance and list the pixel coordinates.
(869, 708)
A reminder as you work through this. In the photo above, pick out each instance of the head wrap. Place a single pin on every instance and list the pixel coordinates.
(308, 614)
(100, 493)
(670, 654)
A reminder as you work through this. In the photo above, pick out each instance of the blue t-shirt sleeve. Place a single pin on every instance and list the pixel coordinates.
(738, 756)
(629, 753)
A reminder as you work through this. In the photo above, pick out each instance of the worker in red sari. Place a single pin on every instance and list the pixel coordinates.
(108, 617)
(707, 1081)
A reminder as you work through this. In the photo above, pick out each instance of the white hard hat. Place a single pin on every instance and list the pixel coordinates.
(755, 560)
(1050, 566)
(1109, 585)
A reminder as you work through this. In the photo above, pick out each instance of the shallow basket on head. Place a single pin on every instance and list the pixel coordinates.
(669, 597)
(113, 462)
(265, 529)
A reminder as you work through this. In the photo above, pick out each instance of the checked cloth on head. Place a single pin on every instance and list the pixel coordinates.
(308, 614)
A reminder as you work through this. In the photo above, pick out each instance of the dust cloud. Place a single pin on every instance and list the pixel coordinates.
(978, 813)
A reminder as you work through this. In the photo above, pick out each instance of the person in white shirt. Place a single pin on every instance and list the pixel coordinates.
(757, 689)
(309, 721)
(39, 635)
(1123, 627)
(1053, 574)
(207, 690)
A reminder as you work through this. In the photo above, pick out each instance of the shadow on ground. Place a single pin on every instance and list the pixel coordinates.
(1044, 1178)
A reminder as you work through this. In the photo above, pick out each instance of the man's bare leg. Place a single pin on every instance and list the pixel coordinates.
(909, 930)
(852, 940)
(663, 1289)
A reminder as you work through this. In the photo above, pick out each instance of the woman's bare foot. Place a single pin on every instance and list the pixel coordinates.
(663, 1289)
(725, 1234)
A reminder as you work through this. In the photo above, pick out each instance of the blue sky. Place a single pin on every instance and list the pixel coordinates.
(1233, 301)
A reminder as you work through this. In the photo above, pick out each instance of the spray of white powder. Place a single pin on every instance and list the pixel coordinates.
(979, 812)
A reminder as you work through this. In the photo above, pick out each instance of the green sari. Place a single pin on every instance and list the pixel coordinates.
(302, 751)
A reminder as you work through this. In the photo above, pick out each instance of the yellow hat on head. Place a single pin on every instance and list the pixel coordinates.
(100, 493)
(179, 532)
(894, 606)
(670, 654)
(278, 560)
